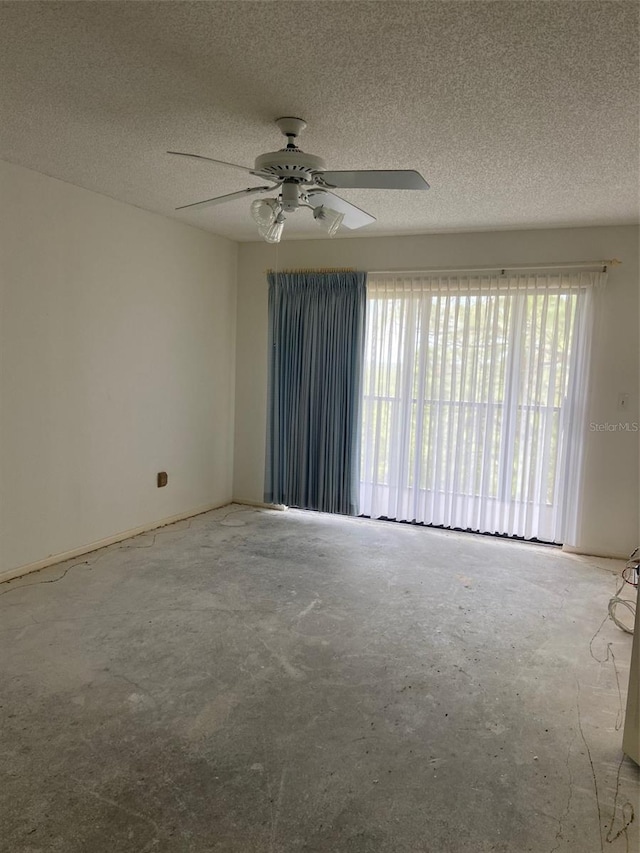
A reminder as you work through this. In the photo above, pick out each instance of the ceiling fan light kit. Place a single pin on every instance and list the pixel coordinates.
(264, 210)
(331, 220)
(303, 181)
(269, 217)
(272, 233)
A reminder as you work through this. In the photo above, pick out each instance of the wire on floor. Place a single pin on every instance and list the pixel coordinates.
(629, 576)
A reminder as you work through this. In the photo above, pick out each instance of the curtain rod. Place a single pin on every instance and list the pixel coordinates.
(313, 269)
(604, 263)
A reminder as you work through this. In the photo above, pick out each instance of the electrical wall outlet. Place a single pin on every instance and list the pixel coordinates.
(623, 401)
(162, 479)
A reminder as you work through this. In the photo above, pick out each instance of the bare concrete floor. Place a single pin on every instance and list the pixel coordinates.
(275, 682)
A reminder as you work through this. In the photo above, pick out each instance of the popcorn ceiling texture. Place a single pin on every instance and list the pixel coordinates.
(519, 114)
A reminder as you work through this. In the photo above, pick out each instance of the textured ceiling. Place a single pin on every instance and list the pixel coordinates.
(519, 114)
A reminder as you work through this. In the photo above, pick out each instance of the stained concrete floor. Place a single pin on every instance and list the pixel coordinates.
(264, 681)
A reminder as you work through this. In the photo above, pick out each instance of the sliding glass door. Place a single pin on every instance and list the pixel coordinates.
(474, 401)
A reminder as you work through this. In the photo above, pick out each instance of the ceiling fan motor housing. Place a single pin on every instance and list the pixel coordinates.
(293, 165)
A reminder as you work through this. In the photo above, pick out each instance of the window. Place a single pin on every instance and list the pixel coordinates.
(473, 401)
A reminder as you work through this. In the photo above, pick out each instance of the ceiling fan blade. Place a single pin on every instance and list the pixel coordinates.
(354, 217)
(374, 179)
(211, 160)
(228, 197)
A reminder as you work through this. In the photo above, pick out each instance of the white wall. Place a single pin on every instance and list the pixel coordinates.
(610, 518)
(117, 351)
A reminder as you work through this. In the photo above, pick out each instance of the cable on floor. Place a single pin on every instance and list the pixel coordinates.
(125, 545)
(630, 576)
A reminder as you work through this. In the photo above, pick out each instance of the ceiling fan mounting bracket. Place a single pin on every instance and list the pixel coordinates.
(291, 126)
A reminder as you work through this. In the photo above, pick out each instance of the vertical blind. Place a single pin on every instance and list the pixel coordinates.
(474, 401)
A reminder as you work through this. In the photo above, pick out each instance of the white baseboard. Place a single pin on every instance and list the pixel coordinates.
(580, 552)
(261, 505)
(110, 540)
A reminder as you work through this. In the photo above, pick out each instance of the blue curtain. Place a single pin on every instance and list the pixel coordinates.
(316, 339)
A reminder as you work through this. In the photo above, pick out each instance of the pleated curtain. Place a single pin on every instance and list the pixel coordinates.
(316, 336)
(474, 401)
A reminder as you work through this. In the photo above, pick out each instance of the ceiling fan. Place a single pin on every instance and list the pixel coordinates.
(302, 181)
